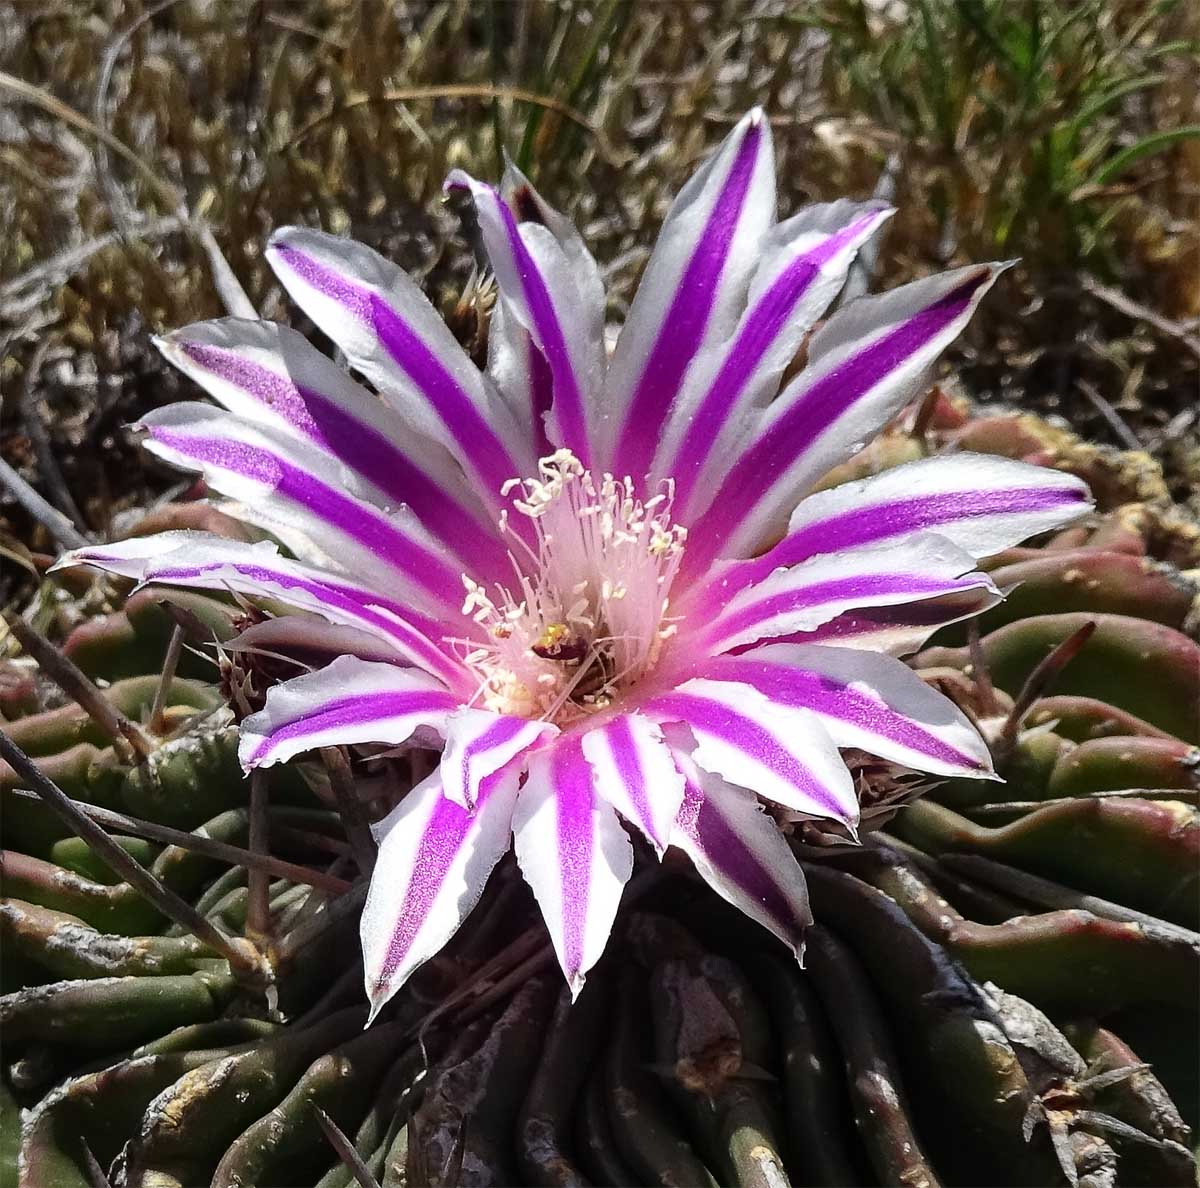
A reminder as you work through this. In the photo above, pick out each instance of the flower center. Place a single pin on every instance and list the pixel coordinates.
(586, 617)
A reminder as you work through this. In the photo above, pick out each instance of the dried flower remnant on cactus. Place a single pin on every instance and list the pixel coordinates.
(593, 582)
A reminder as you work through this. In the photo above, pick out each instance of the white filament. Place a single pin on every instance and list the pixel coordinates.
(588, 613)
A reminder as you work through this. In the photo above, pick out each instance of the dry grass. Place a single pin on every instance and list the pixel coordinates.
(142, 127)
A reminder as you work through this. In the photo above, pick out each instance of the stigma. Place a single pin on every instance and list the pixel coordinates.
(586, 615)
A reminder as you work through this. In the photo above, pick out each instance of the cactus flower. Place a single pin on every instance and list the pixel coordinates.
(592, 580)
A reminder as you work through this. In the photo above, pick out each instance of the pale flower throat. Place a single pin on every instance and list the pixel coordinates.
(588, 615)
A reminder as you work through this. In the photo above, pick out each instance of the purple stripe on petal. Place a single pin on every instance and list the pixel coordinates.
(865, 586)
(569, 409)
(353, 712)
(573, 798)
(684, 324)
(361, 447)
(884, 628)
(276, 392)
(873, 523)
(790, 434)
(478, 442)
(624, 748)
(412, 631)
(445, 833)
(371, 531)
(754, 336)
(475, 438)
(736, 730)
(825, 695)
(734, 860)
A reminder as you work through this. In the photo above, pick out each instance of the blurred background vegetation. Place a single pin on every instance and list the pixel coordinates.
(135, 137)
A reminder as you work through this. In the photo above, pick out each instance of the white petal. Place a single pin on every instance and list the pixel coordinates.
(574, 855)
(634, 772)
(349, 702)
(434, 859)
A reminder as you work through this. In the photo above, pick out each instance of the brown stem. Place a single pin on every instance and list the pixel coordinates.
(258, 903)
(127, 736)
(170, 664)
(345, 1149)
(198, 844)
(352, 810)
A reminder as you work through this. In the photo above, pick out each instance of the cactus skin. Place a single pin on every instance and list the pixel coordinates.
(989, 952)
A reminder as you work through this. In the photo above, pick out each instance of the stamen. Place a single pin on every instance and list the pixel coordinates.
(589, 615)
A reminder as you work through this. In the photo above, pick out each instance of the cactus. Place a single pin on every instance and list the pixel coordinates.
(1001, 988)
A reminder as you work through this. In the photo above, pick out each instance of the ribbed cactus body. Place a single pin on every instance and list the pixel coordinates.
(1002, 987)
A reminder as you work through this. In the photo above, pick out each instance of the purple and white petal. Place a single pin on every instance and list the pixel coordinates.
(202, 561)
(573, 853)
(864, 365)
(981, 503)
(868, 701)
(528, 206)
(692, 292)
(740, 853)
(392, 334)
(284, 483)
(270, 375)
(782, 753)
(539, 288)
(478, 743)
(897, 630)
(434, 860)
(807, 595)
(634, 772)
(804, 264)
(308, 641)
(349, 702)
(521, 375)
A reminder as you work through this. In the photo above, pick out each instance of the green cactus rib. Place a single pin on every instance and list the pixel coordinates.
(881, 1111)
(1113, 665)
(645, 1135)
(1139, 852)
(544, 1127)
(116, 907)
(185, 781)
(191, 1124)
(820, 1147)
(74, 854)
(969, 1090)
(395, 1161)
(132, 641)
(389, 1113)
(1058, 960)
(85, 773)
(105, 1107)
(285, 1144)
(56, 730)
(212, 839)
(1083, 718)
(65, 947)
(1088, 580)
(1111, 764)
(111, 1012)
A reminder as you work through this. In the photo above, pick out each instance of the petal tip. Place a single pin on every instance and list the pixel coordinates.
(459, 179)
